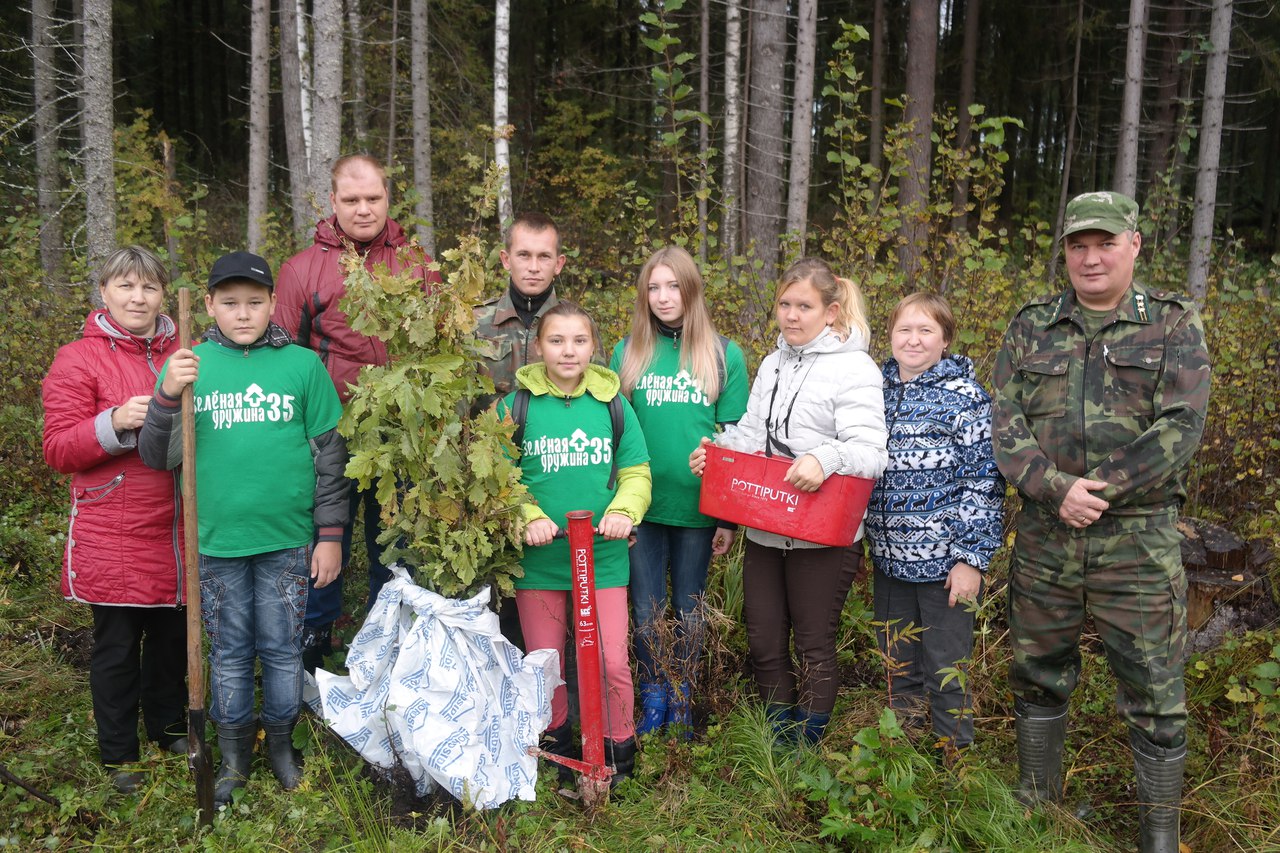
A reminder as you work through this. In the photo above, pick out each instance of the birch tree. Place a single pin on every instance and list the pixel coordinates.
(421, 87)
(326, 98)
(259, 118)
(764, 213)
(45, 122)
(732, 127)
(913, 192)
(97, 124)
(802, 120)
(1126, 180)
(295, 120)
(1215, 91)
(501, 123)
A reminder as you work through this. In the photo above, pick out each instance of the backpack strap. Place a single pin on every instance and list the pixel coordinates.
(520, 414)
(618, 422)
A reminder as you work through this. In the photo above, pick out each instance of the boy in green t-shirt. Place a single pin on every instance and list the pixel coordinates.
(269, 477)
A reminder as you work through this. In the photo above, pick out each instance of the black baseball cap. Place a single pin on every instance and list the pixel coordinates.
(241, 265)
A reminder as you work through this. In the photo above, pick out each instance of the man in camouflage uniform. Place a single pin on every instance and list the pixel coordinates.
(508, 324)
(1100, 399)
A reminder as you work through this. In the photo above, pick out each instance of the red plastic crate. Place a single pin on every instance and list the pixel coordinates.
(747, 488)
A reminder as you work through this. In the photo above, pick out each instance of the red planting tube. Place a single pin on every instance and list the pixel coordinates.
(586, 631)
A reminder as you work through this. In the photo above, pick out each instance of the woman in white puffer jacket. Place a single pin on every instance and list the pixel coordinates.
(818, 400)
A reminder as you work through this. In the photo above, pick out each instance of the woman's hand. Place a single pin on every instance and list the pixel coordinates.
(130, 414)
(806, 473)
(723, 541)
(698, 458)
(180, 371)
(540, 532)
(964, 581)
(326, 563)
(614, 525)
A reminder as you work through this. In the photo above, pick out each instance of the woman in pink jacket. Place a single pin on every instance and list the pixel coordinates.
(123, 555)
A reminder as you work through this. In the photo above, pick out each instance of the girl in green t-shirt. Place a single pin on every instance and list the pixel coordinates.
(566, 456)
(684, 381)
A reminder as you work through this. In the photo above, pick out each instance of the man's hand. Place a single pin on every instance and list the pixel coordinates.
(180, 371)
(614, 525)
(130, 414)
(964, 581)
(540, 531)
(722, 542)
(1081, 507)
(806, 473)
(326, 563)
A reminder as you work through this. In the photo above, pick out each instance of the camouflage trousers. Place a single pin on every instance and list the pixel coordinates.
(1128, 571)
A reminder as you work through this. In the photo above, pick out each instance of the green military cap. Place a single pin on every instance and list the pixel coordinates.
(1101, 211)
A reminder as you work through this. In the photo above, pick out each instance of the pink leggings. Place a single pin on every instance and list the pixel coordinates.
(542, 619)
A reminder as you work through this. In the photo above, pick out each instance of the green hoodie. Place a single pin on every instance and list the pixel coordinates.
(566, 458)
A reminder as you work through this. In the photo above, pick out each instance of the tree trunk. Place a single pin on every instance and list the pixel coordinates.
(802, 120)
(295, 133)
(875, 135)
(1068, 150)
(360, 106)
(1165, 97)
(98, 125)
(419, 38)
(732, 127)
(501, 120)
(704, 131)
(392, 73)
(1126, 177)
(326, 98)
(913, 194)
(964, 121)
(764, 136)
(1215, 90)
(259, 118)
(45, 122)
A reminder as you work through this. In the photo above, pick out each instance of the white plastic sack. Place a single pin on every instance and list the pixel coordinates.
(434, 684)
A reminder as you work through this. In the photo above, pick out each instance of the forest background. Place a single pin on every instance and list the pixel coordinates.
(916, 144)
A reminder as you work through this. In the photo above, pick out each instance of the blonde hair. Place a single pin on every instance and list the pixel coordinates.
(933, 306)
(700, 350)
(851, 315)
(136, 260)
(343, 163)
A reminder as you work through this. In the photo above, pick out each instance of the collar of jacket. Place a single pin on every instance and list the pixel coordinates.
(505, 309)
(101, 323)
(329, 234)
(275, 337)
(1134, 307)
(599, 382)
(828, 340)
(951, 366)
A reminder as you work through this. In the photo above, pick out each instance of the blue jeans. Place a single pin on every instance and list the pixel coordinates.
(687, 551)
(324, 605)
(252, 607)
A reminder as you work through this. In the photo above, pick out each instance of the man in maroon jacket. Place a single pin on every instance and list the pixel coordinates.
(310, 286)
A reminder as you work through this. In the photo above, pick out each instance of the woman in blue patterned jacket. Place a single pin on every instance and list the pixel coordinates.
(934, 521)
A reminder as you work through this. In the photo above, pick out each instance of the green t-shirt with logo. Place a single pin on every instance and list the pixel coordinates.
(256, 411)
(675, 416)
(566, 458)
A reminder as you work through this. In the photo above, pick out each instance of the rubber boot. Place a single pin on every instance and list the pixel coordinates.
(680, 710)
(653, 707)
(621, 755)
(783, 720)
(560, 741)
(317, 641)
(125, 781)
(1041, 731)
(1159, 772)
(236, 745)
(286, 763)
(810, 725)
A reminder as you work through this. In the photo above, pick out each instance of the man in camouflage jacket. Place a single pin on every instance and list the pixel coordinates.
(1100, 400)
(508, 324)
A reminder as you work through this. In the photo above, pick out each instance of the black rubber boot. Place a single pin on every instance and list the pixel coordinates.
(1159, 771)
(286, 764)
(1041, 732)
(317, 641)
(236, 745)
(560, 741)
(621, 755)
